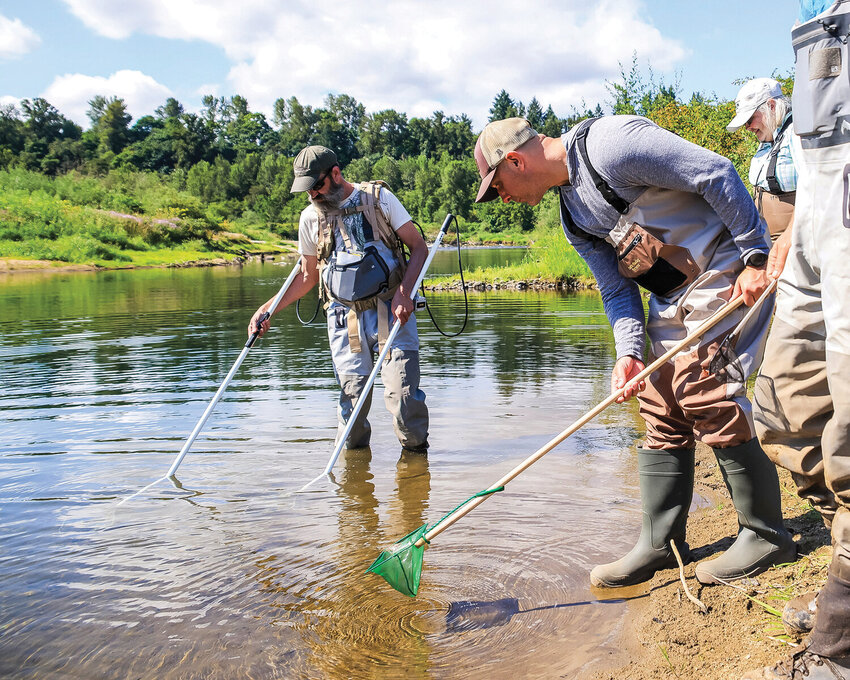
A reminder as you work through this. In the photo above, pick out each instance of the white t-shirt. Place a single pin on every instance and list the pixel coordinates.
(389, 205)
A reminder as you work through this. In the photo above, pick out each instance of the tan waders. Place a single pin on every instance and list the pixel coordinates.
(762, 539)
(666, 488)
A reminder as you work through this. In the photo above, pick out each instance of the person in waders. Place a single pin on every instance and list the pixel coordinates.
(761, 108)
(350, 239)
(646, 208)
(802, 403)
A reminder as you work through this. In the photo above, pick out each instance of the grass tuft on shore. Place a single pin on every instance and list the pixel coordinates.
(549, 258)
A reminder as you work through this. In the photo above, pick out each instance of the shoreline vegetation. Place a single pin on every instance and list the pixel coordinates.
(178, 188)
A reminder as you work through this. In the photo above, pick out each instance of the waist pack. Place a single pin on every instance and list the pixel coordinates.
(351, 277)
(658, 267)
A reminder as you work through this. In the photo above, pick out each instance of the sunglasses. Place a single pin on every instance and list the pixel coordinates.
(319, 183)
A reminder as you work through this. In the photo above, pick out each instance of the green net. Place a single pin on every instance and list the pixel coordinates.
(401, 565)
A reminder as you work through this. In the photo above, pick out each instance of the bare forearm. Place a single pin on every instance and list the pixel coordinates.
(414, 266)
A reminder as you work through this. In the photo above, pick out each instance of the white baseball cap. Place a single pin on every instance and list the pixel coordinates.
(753, 94)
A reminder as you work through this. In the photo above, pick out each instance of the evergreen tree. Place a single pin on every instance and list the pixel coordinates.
(534, 115)
(110, 123)
(552, 125)
(170, 110)
(503, 107)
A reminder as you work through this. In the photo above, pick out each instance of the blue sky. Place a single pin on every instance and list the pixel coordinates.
(416, 56)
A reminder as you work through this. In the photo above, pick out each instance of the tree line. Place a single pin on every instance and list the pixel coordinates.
(239, 163)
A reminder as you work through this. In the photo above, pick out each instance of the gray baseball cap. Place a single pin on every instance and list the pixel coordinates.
(309, 165)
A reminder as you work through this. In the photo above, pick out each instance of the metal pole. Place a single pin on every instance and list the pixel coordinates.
(247, 348)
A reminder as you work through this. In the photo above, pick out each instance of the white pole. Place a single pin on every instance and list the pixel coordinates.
(340, 443)
(296, 269)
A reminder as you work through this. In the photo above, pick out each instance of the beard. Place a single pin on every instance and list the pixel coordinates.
(330, 200)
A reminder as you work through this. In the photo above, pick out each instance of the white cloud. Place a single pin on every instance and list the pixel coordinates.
(71, 93)
(16, 39)
(8, 100)
(409, 55)
(208, 88)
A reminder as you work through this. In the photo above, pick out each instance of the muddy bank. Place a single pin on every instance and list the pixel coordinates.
(668, 637)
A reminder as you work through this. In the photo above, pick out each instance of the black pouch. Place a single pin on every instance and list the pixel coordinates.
(363, 278)
(654, 265)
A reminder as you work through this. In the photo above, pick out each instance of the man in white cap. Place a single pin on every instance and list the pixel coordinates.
(350, 239)
(761, 108)
(646, 208)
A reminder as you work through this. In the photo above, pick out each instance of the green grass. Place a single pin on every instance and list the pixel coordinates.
(72, 219)
(550, 258)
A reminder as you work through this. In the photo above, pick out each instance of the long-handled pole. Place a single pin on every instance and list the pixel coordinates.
(247, 348)
(340, 442)
(721, 314)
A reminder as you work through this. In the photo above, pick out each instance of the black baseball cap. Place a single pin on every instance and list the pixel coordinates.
(309, 165)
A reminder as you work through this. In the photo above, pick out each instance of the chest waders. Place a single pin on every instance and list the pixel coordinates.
(352, 417)
(802, 394)
(774, 205)
(362, 280)
(643, 239)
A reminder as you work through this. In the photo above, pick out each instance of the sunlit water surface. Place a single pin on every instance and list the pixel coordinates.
(229, 574)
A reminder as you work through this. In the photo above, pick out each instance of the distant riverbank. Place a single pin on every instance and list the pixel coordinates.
(9, 265)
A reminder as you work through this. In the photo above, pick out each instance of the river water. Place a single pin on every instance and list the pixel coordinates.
(229, 574)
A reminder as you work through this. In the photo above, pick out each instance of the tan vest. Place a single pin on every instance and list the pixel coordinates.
(383, 231)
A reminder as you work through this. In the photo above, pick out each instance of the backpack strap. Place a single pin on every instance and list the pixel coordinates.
(614, 199)
(611, 196)
(370, 204)
(353, 325)
(772, 182)
(570, 224)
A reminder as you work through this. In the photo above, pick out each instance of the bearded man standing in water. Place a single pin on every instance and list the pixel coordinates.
(646, 208)
(350, 240)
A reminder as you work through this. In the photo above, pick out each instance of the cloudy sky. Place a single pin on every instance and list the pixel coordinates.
(415, 56)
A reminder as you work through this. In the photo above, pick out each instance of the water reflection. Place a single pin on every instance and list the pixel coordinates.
(227, 575)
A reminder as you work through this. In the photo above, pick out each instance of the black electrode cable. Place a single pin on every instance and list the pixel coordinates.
(462, 287)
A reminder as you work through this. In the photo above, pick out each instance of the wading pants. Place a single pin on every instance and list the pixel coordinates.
(802, 394)
(399, 374)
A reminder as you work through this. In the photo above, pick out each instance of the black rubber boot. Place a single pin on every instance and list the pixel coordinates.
(666, 489)
(762, 539)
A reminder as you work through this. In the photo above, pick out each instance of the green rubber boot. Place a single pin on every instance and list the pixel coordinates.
(666, 489)
(762, 539)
